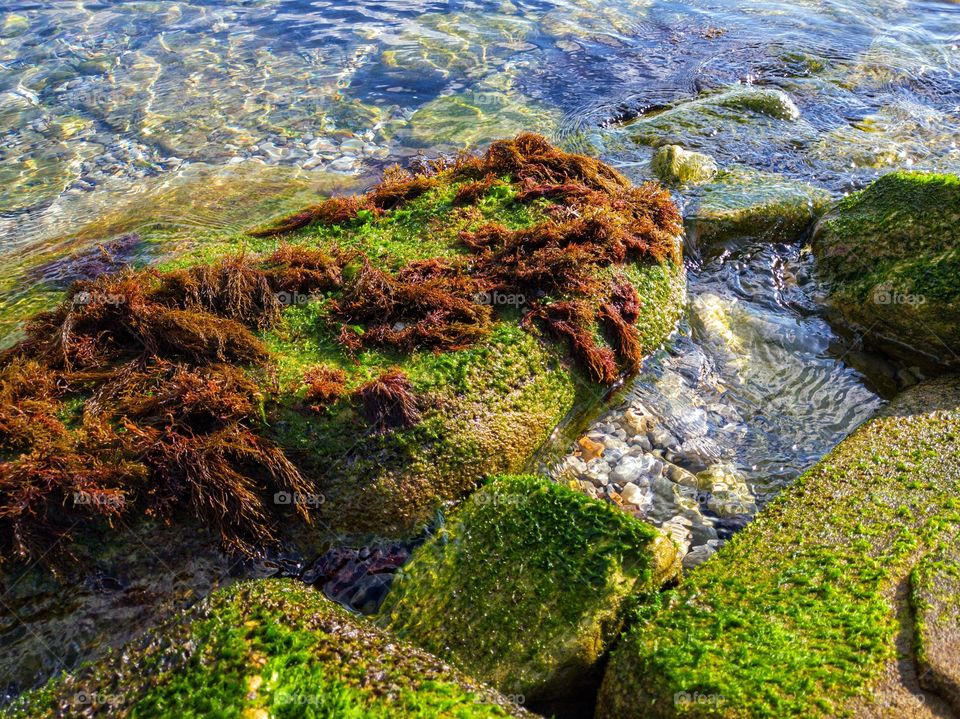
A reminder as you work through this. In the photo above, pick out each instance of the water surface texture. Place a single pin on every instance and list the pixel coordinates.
(145, 125)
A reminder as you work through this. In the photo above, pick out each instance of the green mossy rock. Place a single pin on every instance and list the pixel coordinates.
(676, 166)
(732, 113)
(806, 612)
(271, 648)
(491, 406)
(527, 584)
(892, 256)
(746, 204)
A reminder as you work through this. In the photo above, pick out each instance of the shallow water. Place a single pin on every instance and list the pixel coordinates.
(160, 122)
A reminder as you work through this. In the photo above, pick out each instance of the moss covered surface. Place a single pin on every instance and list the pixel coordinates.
(892, 255)
(526, 585)
(487, 298)
(731, 112)
(271, 648)
(741, 203)
(799, 614)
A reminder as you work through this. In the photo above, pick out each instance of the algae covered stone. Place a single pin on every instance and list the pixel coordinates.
(526, 585)
(742, 203)
(677, 166)
(802, 612)
(740, 119)
(268, 648)
(891, 254)
(365, 361)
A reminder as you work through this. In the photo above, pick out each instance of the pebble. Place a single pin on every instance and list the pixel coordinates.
(632, 494)
(697, 556)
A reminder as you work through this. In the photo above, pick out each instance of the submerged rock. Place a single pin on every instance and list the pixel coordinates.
(811, 593)
(742, 204)
(891, 254)
(677, 166)
(527, 585)
(268, 648)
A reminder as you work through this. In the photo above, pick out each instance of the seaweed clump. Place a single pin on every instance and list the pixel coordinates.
(427, 304)
(388, 402)
(325, 385)
(139, 389)
(594, 220)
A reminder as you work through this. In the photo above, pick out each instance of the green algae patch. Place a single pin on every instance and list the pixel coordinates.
(526, 586)
(892, 256)
(676, 166)
(732, 112)
(272, 648)
(800, 613)
(741, 203)
(366, 361)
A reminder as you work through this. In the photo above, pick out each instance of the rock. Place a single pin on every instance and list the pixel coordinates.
(676, 166)
(813, 592)
(589, 449)
(728, 503)
(891, 255)
(535, 613)
(742, 204)
(632, 494)
(632, 468)
(935, 597)
(678, 529)
(662, 437)
(637, 421)
(680, 476)
(697, 556)
(267, 643)
(728, 125)
(476, 117)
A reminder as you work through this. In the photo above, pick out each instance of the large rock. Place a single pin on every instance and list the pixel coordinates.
(738, 124)
(526, 586)
(807, 611)
(892, 256)
(744, 204)
(271, 648)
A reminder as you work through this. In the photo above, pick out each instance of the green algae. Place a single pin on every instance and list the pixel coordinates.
(797, 614)
(526, 585)
(267, 648)
(741, 203)
(892, 256)
(674, 165)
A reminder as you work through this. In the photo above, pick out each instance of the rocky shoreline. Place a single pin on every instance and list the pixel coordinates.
(644, 554)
